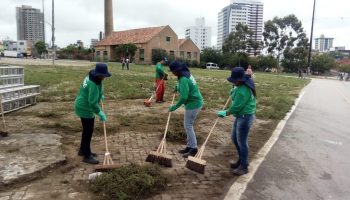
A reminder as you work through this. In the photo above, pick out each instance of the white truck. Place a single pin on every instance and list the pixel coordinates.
(13, 54)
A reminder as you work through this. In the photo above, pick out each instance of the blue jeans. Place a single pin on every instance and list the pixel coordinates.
(190, 116)
(239, 136)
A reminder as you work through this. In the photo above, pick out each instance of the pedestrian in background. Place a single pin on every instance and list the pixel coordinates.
(191, 97)
(249, 71)
(161, 76)
(87, 106)
(243, 108)
(123, 62)
(127, 63)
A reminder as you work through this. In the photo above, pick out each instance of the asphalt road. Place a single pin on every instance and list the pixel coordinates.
(311, 159)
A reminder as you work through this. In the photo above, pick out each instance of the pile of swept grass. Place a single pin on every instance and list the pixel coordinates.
(129, 182)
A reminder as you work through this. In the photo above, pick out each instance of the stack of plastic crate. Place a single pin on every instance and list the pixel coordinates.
(14, 94)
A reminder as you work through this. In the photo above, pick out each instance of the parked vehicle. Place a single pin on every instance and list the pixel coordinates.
(212, 66)
(13, 54)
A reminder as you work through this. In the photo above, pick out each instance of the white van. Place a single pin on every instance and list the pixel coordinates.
(212, 66)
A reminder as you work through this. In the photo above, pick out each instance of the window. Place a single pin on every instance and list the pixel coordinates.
(195, 55)
(167, 39)
(98, 53)
(21, 43)
(172, 53)
(105, 53)
(188, 55)
(142, 54)
(182, 54)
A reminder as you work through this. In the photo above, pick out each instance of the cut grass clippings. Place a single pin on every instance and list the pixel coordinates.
(129, 182)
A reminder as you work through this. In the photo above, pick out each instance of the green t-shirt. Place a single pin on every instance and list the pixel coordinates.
(190, 95)
(243, 101)
(159, 71)
(87, 101)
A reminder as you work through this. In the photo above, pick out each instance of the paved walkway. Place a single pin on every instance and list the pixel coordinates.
(310, 160)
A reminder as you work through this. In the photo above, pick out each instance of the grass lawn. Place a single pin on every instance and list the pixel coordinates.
(276, 94)
(133, 130)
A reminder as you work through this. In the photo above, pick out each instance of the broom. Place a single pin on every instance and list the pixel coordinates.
(3, 133)
(108, 163)
(148, 102)
(160, 155)
(196, 163)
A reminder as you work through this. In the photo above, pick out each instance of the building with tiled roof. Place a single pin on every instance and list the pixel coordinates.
(146, 39)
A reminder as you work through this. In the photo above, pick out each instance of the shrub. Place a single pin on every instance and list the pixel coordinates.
(129, 182)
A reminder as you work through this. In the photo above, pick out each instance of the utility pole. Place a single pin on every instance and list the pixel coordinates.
(53, 33)
(311, 38)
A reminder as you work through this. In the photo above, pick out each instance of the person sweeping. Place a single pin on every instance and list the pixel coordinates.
(243, 107)
(191, 97)
(161, 76)
(87, 106)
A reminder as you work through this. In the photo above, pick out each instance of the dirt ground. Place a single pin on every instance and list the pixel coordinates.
(133, 130)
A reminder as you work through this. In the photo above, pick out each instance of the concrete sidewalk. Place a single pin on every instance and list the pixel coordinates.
(310, 160)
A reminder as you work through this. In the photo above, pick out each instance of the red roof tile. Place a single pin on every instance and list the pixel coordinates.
(135, 36)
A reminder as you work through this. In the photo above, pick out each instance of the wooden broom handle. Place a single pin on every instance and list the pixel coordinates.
(155, 91)
(104, 130)
(167, 123)
(211, 130)
(161, 145)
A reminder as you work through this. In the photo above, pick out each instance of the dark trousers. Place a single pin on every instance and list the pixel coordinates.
(88, 129)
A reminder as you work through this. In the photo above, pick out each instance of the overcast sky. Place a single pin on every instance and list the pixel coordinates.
(83, 19)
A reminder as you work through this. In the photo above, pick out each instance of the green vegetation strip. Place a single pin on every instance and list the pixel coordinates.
(276, 93)
(129, 182)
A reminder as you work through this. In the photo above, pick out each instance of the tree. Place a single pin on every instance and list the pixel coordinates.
(295, 59)
(210, 55)
(158, 54)
(238, 40)
(282, 33)
(40, 47)
(320, 63)
(126, 50)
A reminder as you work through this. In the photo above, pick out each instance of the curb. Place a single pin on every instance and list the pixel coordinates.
(239, 186)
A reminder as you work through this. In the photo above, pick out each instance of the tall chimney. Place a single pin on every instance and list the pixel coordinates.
(108, 17)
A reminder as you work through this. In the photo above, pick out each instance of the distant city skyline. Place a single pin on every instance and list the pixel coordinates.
(84, 19)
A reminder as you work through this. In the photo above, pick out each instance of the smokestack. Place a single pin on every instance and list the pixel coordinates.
(108, 17)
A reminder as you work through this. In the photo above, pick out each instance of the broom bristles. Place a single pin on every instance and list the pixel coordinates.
(196, 164)
(152, 157)
(165, 160)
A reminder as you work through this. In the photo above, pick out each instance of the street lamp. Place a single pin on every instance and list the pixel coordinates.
(310, 47)
(53, 33)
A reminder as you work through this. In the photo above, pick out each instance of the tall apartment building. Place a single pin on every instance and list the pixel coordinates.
(247, 12)
(323, 44)
(30, 24)
(199, 34)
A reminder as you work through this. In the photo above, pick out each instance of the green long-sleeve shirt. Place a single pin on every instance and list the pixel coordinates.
(87, 101)
(159, 71)
(243, 101)
(190, 95)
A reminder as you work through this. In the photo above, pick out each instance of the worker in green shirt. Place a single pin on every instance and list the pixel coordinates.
(161, 76)
(191, 97)
(87, 106)
(243, 107)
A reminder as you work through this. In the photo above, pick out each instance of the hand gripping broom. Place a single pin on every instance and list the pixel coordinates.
(160, 155)
(196, 163)
(148, 102)
(108, 163)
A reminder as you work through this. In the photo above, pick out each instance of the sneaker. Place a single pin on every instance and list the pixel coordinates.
(91, 160)
(234, 165)
(80, 153)
(240, 171)
(185, 150)
(191, 152)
